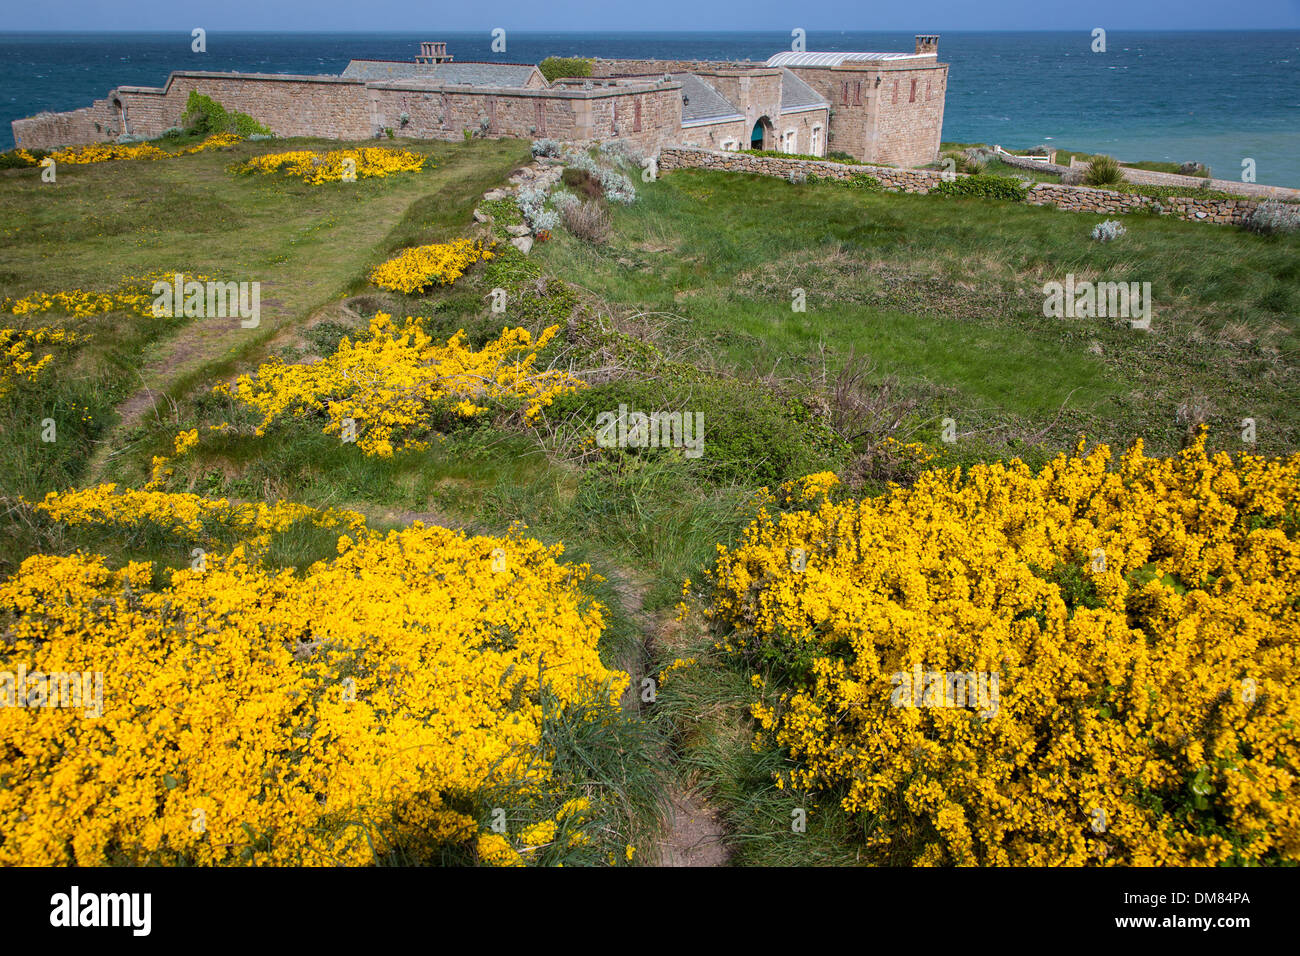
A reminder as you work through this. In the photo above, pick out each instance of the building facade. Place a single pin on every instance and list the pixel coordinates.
(877, 107)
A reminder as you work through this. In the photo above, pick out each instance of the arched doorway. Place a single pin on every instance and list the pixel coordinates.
(761, 137)
(121, 114)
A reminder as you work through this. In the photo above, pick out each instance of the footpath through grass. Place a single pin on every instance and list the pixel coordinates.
(916, 311)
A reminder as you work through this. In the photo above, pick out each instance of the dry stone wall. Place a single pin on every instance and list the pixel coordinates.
(920, 181)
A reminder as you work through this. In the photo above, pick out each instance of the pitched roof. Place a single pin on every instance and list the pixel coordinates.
(701, 103)
(797, 95)
(789, 58)
(450, 74)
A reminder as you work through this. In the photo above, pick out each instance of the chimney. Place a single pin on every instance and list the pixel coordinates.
(433, 52)
(927, 43)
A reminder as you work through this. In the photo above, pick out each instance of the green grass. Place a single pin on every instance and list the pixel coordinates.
(938, 301)
(306, 245)
(947, 295)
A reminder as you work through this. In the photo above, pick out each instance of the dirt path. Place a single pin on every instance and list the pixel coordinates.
(692, 834)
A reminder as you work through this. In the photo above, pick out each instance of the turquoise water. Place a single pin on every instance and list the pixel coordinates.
(1214, 97)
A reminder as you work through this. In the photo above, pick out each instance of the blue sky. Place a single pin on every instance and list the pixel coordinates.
(423, 16)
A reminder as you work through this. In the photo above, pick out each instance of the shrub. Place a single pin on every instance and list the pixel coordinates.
(621, 152)
(588, 221)
(418, 268)
(863, 181)
(205, 115)
(409, 385)
(317, 168)
(22, 158)
(1273, 217)
(751, 434)
(1103, 171)
(617, 187)
(1109, 230)
(1140, 619)
(372, 708)
(984, 187)
(582, 181)
(532, 204)
(547, 147)
(555, 67)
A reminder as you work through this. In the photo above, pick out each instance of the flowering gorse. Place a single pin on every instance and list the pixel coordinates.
(133, 294)
(364, 708)
(1141, 622)
(418, 268)
(396, 384)
(314, 167)
(104, 152)
(18, 354)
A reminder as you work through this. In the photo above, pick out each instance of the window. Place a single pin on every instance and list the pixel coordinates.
(815, 142)
(912, 98)
(844, 93)
(636, 115)
(857, 93)
(895, 91)
(788, 141)
(731, 144)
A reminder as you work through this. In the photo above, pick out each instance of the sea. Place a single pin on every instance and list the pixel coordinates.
(1220, 98)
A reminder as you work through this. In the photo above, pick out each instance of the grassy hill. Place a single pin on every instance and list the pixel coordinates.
(815, 327)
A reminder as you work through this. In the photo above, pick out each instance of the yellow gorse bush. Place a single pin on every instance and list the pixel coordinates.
(188, 515)
(133, 294)
(252, 715)
(18, 354)
(105, 152)
(414, 270)
(393, 384)
(1143, 622)
(312, 166)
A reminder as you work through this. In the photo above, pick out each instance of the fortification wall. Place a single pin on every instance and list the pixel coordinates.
(909, 116)
(334, 108)
(90, 124)
(289, 105)
(602, 67)
(884, 111)
(1072, 198)
(1150, 177)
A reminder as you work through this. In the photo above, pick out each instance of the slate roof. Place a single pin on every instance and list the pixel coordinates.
(789, 58)
(702, 103)
(451, 74)
(796, 94)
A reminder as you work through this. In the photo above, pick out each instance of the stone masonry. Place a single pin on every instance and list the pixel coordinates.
(882, 107)
(921, 181)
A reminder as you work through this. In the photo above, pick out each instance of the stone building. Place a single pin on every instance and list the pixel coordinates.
(877, 107)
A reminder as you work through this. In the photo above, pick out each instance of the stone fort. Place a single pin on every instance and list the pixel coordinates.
(876, 107)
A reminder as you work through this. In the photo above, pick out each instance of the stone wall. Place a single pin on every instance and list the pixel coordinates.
(90, 124)
(647, 114)
(883, 111)
(605, 67)
(1149, 177)
(921, 181)
(909, 116)
(290, 105)
(903, 180)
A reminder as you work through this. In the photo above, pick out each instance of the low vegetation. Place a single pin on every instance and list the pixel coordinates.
(429, 425)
